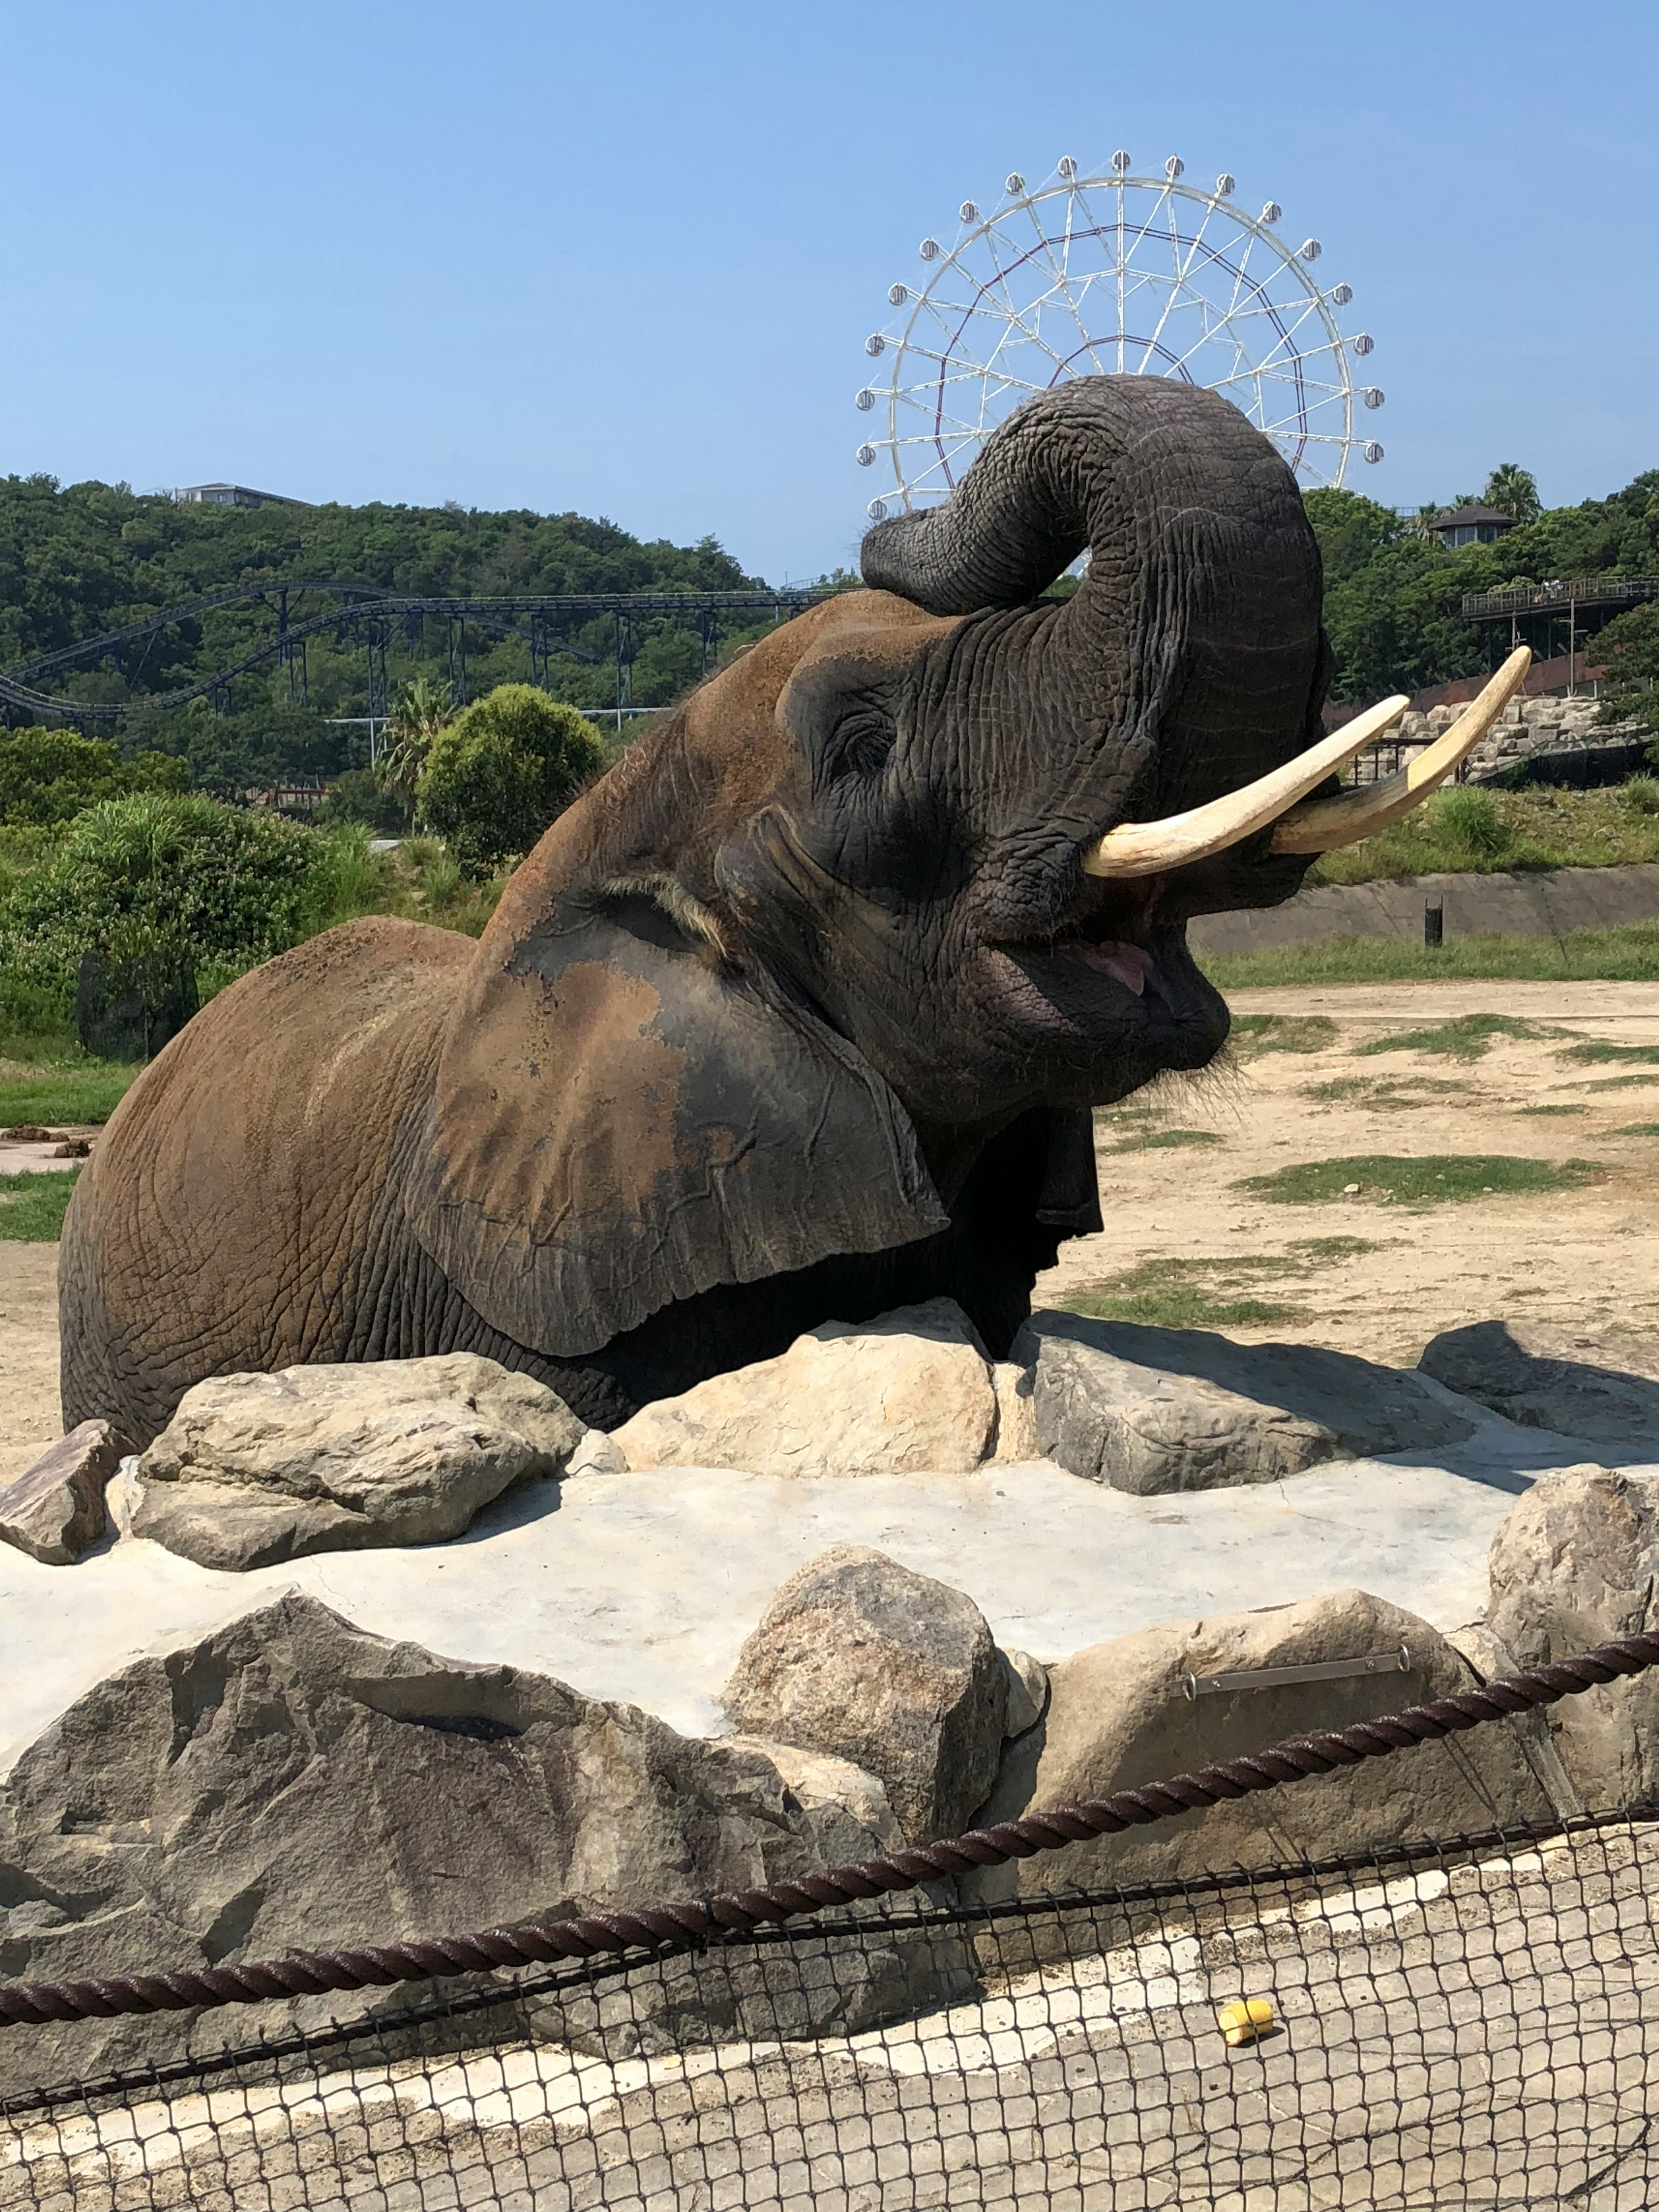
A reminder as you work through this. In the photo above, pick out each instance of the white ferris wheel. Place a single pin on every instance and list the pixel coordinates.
(1085, 276)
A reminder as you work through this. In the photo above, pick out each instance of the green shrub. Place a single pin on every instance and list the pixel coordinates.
(504, 768)
(1641, 794)
(1471, 819)
(167, 875)
(357, 797)
(48, 776)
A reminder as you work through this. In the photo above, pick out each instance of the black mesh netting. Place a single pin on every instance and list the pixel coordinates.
(1465, 2025)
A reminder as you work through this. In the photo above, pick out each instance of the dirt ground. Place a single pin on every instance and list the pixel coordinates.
(1586, 1256)
(1361, 1273)
(28, 1353)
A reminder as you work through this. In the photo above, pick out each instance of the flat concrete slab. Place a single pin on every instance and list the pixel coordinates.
(642, 1587)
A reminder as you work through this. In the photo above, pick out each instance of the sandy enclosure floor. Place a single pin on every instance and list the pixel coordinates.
(28, 1353)
(1588, 1256)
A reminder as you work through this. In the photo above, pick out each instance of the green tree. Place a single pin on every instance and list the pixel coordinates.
(1351, 530)
(504, 768)
(230, 755)
(356, 796)
(420, 710)
(1513, 490)
(166, 873)
(1629, 648)
(48, 776)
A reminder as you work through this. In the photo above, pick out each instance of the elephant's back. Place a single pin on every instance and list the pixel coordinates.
(227, 1212)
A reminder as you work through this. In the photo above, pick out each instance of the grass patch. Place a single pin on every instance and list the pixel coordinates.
(1627, 955)
(1210, 1293)
(1471, 831)
(1437, 1179)
(1552, 1109)
(1468, 1037)
(1254, 1033)
(1328, 1251)
(1596, 1048)
(1619, 1081)
(32, 1206)
(1181, 1294)
(1383, 1093)
(1639, 1129)
(1164, 1141)
(68, 1094)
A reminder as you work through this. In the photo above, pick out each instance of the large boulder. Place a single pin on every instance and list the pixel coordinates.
(1576, 1563)
(1604, 1389)
(54, 1510)
(861, 1657)
(1119, 1718)
(254, 1469)
(1151, 1410)
(911, 1393)
(292, 1781)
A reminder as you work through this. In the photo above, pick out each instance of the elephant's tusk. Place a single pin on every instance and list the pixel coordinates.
(1147, 849)
(1324, 824)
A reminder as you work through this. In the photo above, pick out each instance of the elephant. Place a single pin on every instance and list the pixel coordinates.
(801, 1011)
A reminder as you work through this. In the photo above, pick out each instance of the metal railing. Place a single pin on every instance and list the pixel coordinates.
(1548, 598)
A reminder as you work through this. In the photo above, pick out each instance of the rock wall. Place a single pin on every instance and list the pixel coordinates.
(1541, 740)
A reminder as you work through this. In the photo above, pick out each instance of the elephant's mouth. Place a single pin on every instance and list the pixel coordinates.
(1116, 935)
(1112, 963)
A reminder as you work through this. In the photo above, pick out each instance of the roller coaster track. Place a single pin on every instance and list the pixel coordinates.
(371, 603)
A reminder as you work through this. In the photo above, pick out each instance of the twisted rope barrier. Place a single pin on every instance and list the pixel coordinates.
(689, 1922)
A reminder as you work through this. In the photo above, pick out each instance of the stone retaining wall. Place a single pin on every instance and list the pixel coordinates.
(1547, 904)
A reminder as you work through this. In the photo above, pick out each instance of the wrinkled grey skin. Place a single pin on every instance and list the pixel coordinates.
(794, 1014)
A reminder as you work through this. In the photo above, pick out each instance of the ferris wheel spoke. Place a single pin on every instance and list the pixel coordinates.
(1000, 280)
(993, 365)
(1243, 281)
(1045, 250)
(987, 305)
(1028, 336)
(1277, 312)
(1179, 295)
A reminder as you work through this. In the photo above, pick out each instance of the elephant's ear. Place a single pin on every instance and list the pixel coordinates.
(619, 1121)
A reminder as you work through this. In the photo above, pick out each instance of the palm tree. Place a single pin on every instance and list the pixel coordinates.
(1513, 490)
(420, 710)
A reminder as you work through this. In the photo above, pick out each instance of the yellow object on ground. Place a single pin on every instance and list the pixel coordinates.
(1249, 2019)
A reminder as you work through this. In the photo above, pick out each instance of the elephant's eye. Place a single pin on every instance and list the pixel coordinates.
(860, 743)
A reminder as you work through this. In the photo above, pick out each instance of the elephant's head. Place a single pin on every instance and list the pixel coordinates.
(918, 863)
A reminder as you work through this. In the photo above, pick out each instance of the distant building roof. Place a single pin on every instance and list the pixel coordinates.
(1464, 518)
(232, 494)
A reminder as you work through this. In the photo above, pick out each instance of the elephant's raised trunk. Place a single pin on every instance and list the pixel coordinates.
(1168, 488)
(1193, 641)
(1104, 463)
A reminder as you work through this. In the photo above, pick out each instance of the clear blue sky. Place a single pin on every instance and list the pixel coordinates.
(623, 258)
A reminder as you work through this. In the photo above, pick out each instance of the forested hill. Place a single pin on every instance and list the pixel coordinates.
(80, 559)
(1392, 595)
